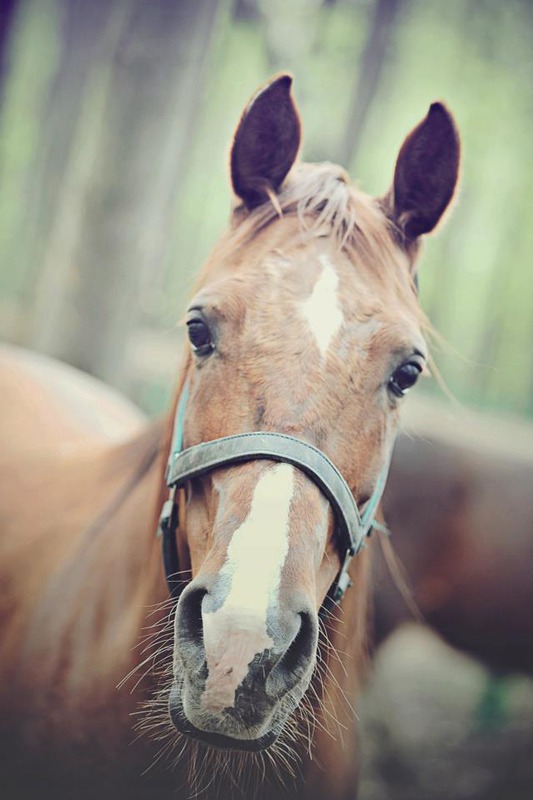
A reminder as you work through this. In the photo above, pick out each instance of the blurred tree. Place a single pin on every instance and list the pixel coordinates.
(246, 10)
(89, 203)
(84, 41)
(365, 87)
(289, 30)
(135, 127)
(7, 15)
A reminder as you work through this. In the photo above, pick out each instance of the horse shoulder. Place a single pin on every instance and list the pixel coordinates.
(45, 404)
(63, 463)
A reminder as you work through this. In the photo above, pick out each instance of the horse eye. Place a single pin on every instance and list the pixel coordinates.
(404, 377)
(200, 336)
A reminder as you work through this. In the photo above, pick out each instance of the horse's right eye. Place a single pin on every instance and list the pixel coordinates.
(404, 378)
(200, 336)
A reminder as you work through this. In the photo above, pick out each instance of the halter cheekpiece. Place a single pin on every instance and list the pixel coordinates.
(352, 528)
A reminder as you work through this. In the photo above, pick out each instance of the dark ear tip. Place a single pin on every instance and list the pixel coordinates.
(283, 80)
(277, 85)
(441, 120)
(438, 108)
(441, 113)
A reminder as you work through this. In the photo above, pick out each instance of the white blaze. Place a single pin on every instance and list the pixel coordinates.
(258, 548)
(321, 309)
(237, 631)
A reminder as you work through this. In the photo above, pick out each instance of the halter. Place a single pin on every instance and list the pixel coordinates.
(351, 527)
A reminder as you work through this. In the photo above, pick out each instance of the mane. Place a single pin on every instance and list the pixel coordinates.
(89, 615)
(321, 196)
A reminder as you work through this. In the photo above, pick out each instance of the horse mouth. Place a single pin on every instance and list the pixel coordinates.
(216, 739)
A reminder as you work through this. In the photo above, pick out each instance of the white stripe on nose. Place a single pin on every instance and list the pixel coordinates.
(237, 631)
(321, 309)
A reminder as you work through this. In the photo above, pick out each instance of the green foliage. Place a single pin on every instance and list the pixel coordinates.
(33, 55)
(476, 277)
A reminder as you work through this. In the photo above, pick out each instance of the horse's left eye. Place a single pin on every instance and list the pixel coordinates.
(404, 377)
(200, 336)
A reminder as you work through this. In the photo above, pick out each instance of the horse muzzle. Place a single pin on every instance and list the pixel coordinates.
(239, 676)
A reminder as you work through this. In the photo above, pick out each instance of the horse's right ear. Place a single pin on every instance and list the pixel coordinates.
(266, 142)
(426, 173)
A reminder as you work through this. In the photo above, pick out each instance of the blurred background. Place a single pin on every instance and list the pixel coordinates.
(115, 123)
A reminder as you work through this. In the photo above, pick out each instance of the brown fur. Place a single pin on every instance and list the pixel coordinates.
(79, 557)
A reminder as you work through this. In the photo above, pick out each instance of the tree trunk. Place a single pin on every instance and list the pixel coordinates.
(83, 43)
(117, 203)
(365, 87)
(7, 15)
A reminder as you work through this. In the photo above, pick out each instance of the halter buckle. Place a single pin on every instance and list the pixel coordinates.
(343, 580)
(165, 518)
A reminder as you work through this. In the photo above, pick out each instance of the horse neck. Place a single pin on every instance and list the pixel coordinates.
(94, 604)
(340, 672)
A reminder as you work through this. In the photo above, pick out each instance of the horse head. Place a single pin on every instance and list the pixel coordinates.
(305, 324)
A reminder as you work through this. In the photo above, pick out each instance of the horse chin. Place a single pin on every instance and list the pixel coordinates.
(216, 738)
(221, 742)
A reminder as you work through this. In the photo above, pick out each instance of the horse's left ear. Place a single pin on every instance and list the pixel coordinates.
(426, 173)
(266, 142)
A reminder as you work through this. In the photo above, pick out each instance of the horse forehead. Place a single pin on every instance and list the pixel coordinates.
(316, 295)
(322, 276)
(299, 268)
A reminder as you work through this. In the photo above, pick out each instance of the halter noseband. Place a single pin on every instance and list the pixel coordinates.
(352, 528)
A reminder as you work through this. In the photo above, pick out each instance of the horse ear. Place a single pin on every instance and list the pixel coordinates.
(266, 142)
(426, 173)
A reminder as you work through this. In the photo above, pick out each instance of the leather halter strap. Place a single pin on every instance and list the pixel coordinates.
(352, 528)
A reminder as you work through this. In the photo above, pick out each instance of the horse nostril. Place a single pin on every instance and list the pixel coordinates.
(302, 647)
(296, 661)
(189, 626)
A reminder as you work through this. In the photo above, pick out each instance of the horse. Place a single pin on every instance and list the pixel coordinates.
(459, 506)
(304, 334)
